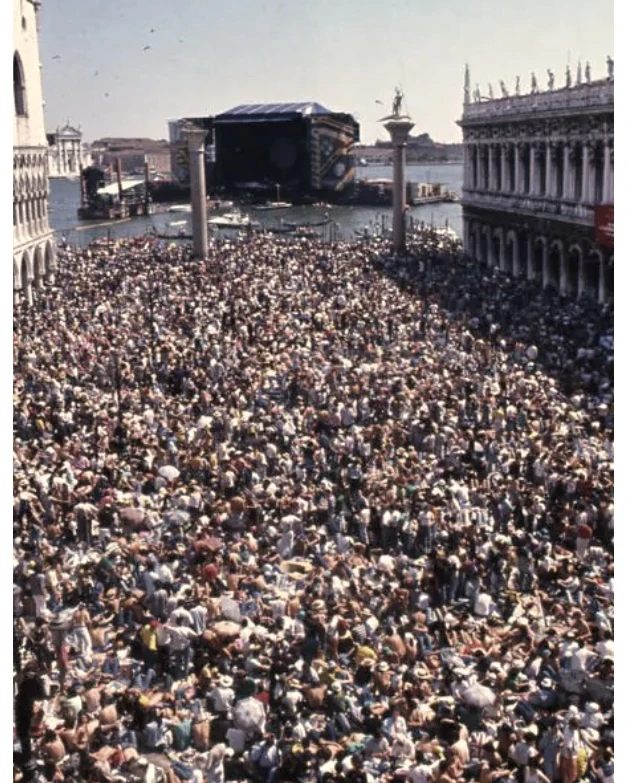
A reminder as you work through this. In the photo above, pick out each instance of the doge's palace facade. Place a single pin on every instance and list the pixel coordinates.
(537, 169)
(34, 254)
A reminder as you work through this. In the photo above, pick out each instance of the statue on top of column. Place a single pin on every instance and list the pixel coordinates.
(397, 102)
(504, 92)
(588, 72)
(578, 79)
(610, 67)
(517, 88)
(490, 90)
(534, 83)
(551, 75)
(476, 94)
(569, 78)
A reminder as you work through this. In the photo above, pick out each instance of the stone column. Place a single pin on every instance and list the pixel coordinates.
(563, 282)
(608, 174)
(466, 158)
(570, 172)
(490, 245)
(532, 169)
(466, 234)
(530, 258)
(548, 172)
(517, 169)
(504, 176)
(545, 264)
(196, 149)
(399, 131)
(581, 279)
(585, 173)
(490, 167)
(515, 257)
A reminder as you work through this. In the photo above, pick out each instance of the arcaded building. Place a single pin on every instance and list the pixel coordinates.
(34, 255)
(538, 187)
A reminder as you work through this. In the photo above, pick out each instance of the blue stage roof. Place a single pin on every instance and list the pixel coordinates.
(256, 109)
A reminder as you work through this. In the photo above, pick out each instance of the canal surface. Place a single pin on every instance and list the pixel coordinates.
(65, 198)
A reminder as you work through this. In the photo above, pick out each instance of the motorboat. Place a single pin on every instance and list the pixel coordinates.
(233, 219)
(180, 208)
(272, 205)
(177, 223)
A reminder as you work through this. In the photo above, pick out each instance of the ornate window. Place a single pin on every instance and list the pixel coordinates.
(19, 86)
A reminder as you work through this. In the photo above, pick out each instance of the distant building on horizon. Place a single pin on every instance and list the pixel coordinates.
(34, 249)
(538, 188)
(133, 154)
(65, 152)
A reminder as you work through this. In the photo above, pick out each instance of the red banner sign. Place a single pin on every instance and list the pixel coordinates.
(604, 226)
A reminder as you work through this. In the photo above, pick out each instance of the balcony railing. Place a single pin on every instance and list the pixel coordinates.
(517, 202)
(582, 96)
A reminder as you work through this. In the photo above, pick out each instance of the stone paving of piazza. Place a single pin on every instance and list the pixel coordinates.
(311, 513)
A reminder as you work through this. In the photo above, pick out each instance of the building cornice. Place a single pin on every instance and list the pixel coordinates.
(594, 97)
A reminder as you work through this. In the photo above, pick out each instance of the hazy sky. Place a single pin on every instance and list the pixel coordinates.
(206, 56)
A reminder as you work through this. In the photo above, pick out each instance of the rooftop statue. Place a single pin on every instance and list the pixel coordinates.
(490, 90)
(504, 92)
(588, 73)
(610, 67)
(517, 88)
(551, 83)
(534, 83)
(476, 94)
(578, 79)
(569, 79)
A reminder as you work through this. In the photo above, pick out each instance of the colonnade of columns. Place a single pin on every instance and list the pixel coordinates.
(573, 269)
(30, 216)
(569, 170)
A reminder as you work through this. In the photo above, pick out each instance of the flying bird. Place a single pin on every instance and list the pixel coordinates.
(381, 102)
(181, 40)
(147, 47)
(152, 29)
(57, 57)
(96, 73)
(106, 95)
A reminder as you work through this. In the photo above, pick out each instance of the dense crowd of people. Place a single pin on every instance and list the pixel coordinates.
(311, 513)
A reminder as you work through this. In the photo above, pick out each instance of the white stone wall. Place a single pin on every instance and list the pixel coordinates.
(34, 253)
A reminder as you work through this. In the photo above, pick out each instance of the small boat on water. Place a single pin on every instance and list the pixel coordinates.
(180, 208)
(177, 223)
(277, 204)
(233, 219)
(313, 224)
(272, 205)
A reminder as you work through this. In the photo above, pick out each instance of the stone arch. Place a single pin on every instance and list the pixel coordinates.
(592, 273)
(26, 277)
(539, 249)
(497, 247)
(39, 268)
(510, 251)
(556, 253)
(483, 237)
(50, 261)
(19, 86)
(17, 273)
(572, 284)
